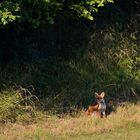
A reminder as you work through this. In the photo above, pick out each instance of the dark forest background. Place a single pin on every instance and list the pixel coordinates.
(65, 60)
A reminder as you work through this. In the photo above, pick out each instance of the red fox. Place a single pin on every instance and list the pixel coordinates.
(99, 108)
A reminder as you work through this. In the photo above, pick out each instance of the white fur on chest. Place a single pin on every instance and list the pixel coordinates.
(102, 105)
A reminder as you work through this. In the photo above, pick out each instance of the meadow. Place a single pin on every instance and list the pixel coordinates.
(123, 124)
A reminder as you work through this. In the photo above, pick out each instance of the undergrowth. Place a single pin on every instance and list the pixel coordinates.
(71, 73)
(17, 105)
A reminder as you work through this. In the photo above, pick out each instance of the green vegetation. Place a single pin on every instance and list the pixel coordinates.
(68, 77)
(37, 12)
(17, 104)
(54, 56)
(48, 46)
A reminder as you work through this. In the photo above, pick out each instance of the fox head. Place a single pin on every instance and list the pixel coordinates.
(100, 97)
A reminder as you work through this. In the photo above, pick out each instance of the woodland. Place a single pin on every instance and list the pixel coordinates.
(55, 54)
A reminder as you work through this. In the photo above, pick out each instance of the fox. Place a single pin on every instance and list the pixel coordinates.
(99, 108)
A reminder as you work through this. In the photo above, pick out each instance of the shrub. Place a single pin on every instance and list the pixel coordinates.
(16, 103)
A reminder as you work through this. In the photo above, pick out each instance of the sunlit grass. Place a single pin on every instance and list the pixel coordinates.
(122, 124)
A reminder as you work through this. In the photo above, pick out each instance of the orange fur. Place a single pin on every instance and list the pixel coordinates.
(91, 109)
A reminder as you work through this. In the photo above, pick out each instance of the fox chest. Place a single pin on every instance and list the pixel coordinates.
(102, 106)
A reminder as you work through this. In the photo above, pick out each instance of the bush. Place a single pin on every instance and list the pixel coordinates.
(66, 71)
(14, 104)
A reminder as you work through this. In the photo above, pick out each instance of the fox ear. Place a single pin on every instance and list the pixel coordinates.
(102, 94)
(96, 94)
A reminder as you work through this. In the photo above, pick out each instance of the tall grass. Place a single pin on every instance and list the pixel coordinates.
(17, 105)
(122, 124)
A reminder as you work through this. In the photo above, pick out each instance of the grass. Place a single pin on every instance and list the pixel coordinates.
(122, 124)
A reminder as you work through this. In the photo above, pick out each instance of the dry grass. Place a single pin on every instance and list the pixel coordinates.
(122, 124)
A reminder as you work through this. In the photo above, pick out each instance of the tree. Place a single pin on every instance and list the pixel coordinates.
(37, 12)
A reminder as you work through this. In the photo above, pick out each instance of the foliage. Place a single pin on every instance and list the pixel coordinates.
(68, 61)
(8, 12)
(36, 12)
(15, 104)
(67, 72)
